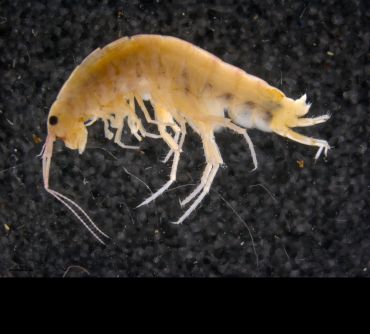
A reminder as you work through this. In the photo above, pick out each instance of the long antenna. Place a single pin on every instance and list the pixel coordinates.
(72, 206)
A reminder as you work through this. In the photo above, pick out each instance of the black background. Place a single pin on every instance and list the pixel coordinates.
(310, 220)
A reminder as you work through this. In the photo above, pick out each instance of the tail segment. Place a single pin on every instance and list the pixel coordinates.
(289, 115)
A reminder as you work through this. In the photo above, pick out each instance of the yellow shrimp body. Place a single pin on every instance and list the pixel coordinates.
(185, 85)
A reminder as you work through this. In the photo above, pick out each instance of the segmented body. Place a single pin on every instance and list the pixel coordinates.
(185, 85)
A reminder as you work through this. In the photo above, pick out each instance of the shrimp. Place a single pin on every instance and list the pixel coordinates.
(185, 86)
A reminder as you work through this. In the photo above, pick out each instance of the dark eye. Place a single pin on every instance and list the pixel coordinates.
(53, 120)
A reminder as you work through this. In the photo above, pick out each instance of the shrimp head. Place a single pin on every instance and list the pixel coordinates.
(64, 124)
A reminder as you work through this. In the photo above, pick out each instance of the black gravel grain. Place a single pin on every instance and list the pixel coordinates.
(310, 221)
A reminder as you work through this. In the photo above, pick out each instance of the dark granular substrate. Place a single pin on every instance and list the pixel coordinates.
(305, 219)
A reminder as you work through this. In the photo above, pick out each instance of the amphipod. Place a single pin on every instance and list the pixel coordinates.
(186, 86)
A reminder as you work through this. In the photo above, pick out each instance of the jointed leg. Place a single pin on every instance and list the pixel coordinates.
(138, 124)
(170, 152)
(133, 126)
(118, 135)
(322, 144)
(168, 138)
(207, 187)
(311, 121)
(144, 110)
(243, 132)
(108, 134)
(200, 186)
(214, 160)
(145, 133)
(175, 163)
(146, 113)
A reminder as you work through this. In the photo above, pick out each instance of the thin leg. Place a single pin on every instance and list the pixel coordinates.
(311, 121)
(322, 144)
(163, 116)
(167, 137)
(138, 124)
(145, 133)
(145, 110)
(243, 132)
(148, 134)
(170, 152)
(200, 186)
(214, 160)
(132, 119)
(146, 113)
(108, 134)
(205, 191)
(133, 126)
(172, 179)
(117, 137)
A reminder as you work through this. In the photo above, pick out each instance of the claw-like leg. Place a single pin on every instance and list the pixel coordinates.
(214, 160)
